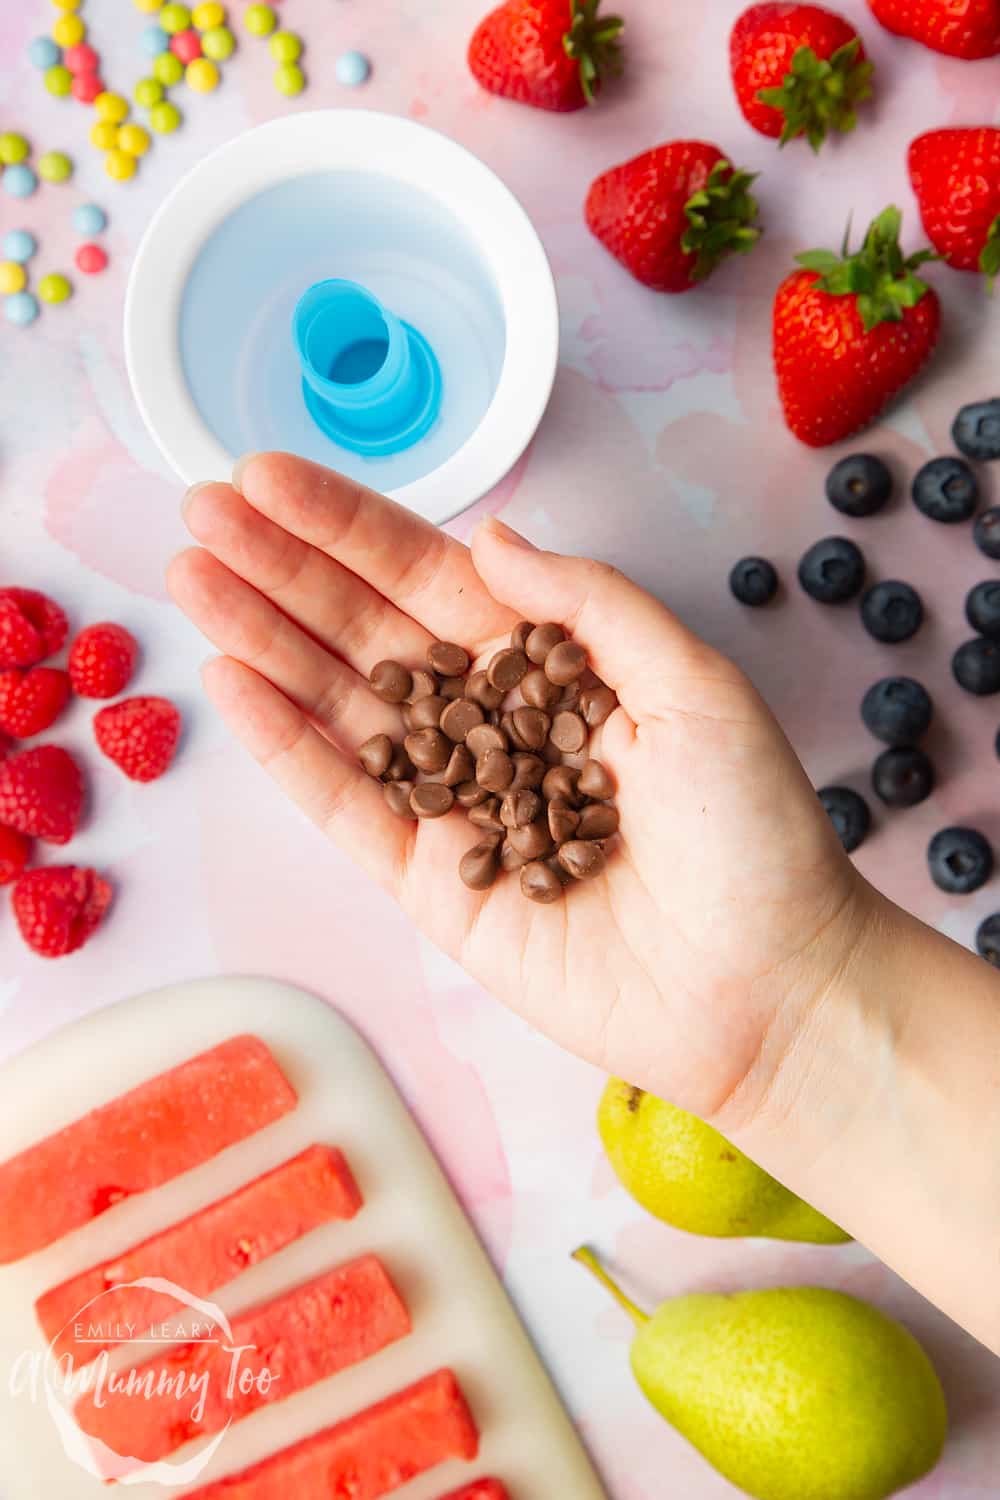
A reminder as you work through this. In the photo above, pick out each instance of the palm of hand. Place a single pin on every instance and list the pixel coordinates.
(726, 869)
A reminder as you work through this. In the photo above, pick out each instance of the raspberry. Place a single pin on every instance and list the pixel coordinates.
(30, 701)
(14, 850)
(59, 907)
(41, 793)
(140, 735)
(102, 660)
(31, 627)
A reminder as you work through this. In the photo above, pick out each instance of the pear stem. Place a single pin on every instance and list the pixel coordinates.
(589, 1259)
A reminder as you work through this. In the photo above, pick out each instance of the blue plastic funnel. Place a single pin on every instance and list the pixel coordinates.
(370, 381)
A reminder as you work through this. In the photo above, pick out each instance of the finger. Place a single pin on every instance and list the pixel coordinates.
(336, 606)
(330, 789)
(633, 641)
(421, 569)
(246, 626)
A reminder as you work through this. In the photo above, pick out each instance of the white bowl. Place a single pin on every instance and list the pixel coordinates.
(348, 141)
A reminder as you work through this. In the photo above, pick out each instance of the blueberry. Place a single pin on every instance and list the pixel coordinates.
(976, 666)
(892, 612)
(960, 860)
(897, 710)
(903, 776)
(754, 581)
(848, 813)
(988, 940)
(976, 432)
(982, 609)
(946, 490)
(859, 485)
(832, 571)
(986, 533)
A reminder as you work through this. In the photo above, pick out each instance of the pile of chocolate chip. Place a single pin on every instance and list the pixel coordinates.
(518, 765)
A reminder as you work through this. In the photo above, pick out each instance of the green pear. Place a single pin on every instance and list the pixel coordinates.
(795, 1394)
(686, 1173)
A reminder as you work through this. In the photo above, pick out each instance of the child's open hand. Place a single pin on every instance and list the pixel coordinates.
(727, 905)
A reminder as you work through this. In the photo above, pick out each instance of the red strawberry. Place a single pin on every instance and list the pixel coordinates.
(850, 332)
(671, 214)
(140, 735)
(102, 660)
(31, 628)
(30, 701)
(959, 28)
(798, 70)
(59, 907)
(41, 793)
(553, 54)
(956, 177)
(14, 851)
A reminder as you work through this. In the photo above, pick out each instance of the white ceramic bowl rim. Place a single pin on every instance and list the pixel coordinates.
(347, 140)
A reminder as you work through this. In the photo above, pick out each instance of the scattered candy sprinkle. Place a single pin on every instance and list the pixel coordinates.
(148, 91)
(119, 164)
(168, 69)
(21, 309)
(68, 30)
(175, 18)
(154, 40)
(285, 47)
(186, 45)
(89, 219)
(260, 20)
(289, 79)
(209, 15)
(148, 7)
(55, 166)
(13, 149)
(202, 76)
(111, 107)
(19, 245)
(59, 80)
(19, 181)
(43, 52)
(165, 117)
(218, 44)
(13, 277)
(86, 87)
(134, 139)
(54, 288)
(103, 135)
(67, 4)
(90, 259)
(352, 69)
(81, 59)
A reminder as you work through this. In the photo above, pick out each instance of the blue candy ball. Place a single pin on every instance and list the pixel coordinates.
(352, 68)
(43, 53)
(154, 40)
(21, 309)
(19, 246)
(19, 181)
(89, 220)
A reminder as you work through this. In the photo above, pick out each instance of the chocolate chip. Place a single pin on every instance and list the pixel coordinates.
(487, 816)
(479, 688)
(506, 669)
(582, 859)
(528, 771)
(400, 767)
(532, 726)
(485, 737)
(509, 728)
(390, 681)
(470, 794)
(428, 749)
(426, 712)
(597, 704)
(563, 821)
(532, 840)
(598, 821)
(479, 865)
(452, 687)
(518, 809)
(406, 711)
(495, 770)
(561, 782)
(460, 769)
(565, 662)
(459, 717)
(537, 691)
(375, 754)
(397, 798)
(595, 781)
(569, 732)
(551, 754)
(541, 640)
(432, 799)
(519, 635)
(539, 883)
(510, 860)
(424, 684)
(447, 659)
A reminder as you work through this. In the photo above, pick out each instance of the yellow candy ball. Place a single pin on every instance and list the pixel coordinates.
(208, 15)
(104, 135)
(168, 69)
(12, 278)
(218, 44)
(289, 79)
(134, 139)
(260, 20)
(67, 4)
(175, 17)
(165, 117)
(111, 107)
(54, 288)
(148, 7)
(201, 75)
(58, 80)
(13, 149)
(68, 31)
(119, 165)
(147, 92)
(285, 47)
(55, 166)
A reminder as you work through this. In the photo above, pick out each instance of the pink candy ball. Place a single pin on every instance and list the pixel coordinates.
(87, 86)
(90, 259)
(81, 59)
(186, 45)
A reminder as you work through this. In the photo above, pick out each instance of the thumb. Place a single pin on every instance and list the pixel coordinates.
(633, 641)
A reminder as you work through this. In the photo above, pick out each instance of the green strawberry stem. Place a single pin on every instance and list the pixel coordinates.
(593, 41)
(589, 1259)
(817, 96)
(989, 260)
(877, 275)
(721, 219)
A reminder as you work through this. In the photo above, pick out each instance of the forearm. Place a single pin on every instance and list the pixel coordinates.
(884, 1110)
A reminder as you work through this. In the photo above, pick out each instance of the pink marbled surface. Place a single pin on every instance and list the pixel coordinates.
(663, 450)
